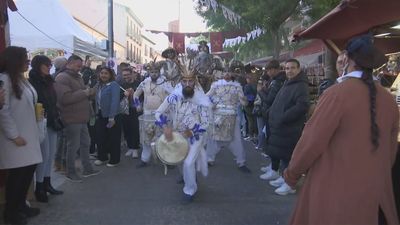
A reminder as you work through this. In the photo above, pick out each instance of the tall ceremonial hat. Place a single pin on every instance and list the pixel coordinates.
(153, 66)
(218, 67)
(217, 63)
(203, 44)
(236, 66)
(168, 51)
(187, 74)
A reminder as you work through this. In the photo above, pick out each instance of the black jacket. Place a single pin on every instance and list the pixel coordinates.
(268, 95)
(134, 85)
(287, 116)
(325, 84)
(89, 77)
(44, 86)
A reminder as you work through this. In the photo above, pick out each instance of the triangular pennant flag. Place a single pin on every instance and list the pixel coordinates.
(224, 12)
(208, 4)
(248, 36)
(233, 42)
(238, 40)
(259, 31)
(253, 34)
(214, 5)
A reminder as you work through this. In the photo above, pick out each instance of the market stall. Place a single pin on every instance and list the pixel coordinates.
(46, 24)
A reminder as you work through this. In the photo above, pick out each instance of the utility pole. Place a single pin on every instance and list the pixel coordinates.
(110, 30)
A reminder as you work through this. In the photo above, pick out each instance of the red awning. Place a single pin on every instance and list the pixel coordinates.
(353, 17)
(315, 46)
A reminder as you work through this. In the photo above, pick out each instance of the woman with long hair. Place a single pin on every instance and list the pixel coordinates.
(19, 138)
(42, 81)
(348, 148)
(108, 120)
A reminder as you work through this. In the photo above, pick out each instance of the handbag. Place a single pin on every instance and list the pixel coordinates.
(57, 124)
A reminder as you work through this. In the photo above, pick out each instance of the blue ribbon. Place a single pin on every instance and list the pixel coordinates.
(250, 97)
(163, 121)
(211, 99)
(136, 102)
(196, 133)
(172, 98)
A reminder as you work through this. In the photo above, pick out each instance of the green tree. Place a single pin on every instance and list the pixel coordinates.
(266, 14)
(318, 8)
(269, 15)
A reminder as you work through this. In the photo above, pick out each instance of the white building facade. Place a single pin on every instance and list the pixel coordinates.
(127, 26)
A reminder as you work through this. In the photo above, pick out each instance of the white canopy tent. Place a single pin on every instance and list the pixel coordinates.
(45, 24)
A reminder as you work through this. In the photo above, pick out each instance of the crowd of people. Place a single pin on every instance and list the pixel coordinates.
(350, 139)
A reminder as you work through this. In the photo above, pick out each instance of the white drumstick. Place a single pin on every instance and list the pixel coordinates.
(122, 88)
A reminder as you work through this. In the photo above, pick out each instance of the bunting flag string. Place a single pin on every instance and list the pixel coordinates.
(218, 40)
(228, 13)
(230, 42)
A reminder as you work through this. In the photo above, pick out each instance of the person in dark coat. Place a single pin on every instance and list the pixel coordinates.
(42, 81)
(130, 122)
(88, 75)
(287, 116)
(90, 78)
(327, 82)
(250, 91)
(267, 95)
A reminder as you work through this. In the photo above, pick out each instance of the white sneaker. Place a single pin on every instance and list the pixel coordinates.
(99, 162)
(135, 153)
(129, 152)
(284, 190)
(269, 175)
(278, 182)
(111, 165)
(266, 168)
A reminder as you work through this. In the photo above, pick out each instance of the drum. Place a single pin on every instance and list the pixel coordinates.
(172, 152)
(223, 128)
(148, 129)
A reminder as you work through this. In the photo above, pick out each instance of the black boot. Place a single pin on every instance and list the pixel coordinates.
(29, 211)
(48, 188)
(40, 193)
(15, 218)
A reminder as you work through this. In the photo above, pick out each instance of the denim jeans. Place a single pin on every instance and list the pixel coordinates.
(48, 148)
(261, 135)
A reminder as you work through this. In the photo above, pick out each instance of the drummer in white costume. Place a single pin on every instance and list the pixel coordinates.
(155, 91)
(186, 111)
(226, 95)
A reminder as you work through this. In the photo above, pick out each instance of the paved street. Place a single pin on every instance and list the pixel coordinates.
(126, 195)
